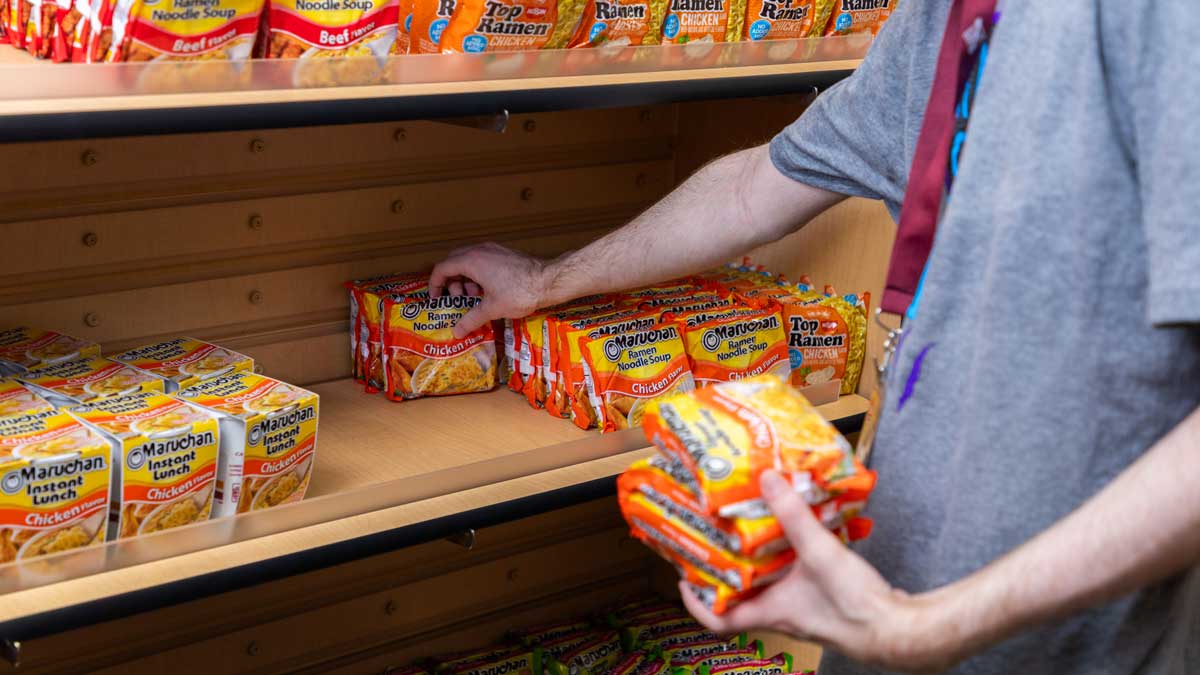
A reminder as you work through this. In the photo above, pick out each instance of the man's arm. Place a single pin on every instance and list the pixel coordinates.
(1143, 527)
(727, 208)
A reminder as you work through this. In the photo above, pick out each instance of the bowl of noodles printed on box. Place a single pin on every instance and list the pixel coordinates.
(60, 349)
(284, 488)
(121, 383)
(279, 400)
(170, 424)
(193, 507)
(33, 544)
(474, 370)
(213, 364)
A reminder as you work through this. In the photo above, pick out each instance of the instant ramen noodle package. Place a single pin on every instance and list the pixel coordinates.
(219, 31)
(164, 460)
(621, 23)
(726, 435)
(54, 472)
(86, 380)
(681, 655)
(626, 372)
(183, 362)
(429, 21)
(403, 43)
(568, 393)
(16, 399)
(701, 662)
(336, 42)
(533, 359)
(596, 655)
(366, 321)
(510, 25)
(421, 356)
(780, 19)
(692, 21)
(736, 345)
(268, 440)
(858, 16)
(23, 349)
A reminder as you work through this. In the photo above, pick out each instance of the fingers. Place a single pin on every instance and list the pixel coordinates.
(473, 319)
(701, 613)
(471, 288)
(450, 268)
(800, 526)
(455, 286)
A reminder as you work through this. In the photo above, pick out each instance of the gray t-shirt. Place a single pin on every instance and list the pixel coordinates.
(1060, 322)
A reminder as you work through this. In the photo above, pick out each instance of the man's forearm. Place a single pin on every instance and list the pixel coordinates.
(727, 208)
(1143, 527)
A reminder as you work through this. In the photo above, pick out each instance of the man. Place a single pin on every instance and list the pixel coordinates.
(1039, 449)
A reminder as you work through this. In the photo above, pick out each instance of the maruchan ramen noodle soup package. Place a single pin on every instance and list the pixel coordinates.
(86, 380)
(621, 23)
(514, 661)
(626, 372)
(728, 434)
(54, 485)
(184, 30)
(183, 362)
(736, 346)
(690, 21)
(568, 397)
(779, 19)
(858, 16)
(366, 321)
(511, 25)
(696, 664)
(16, 399)
(590, 658)
(422, 357)
(164, 460)
(320, 32)
(22, 349)
(429, 22)
(780, 664)
(533, 359)
(268, 440)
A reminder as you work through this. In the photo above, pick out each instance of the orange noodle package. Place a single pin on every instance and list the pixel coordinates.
(737, 345)
(403, 43)
(779, 19)
(536, 368)
(780, 664)
(691, 21)
(334, 41)
(421, 356)
(726, 435)
(858, 16)
(621, 23)
(366, 321)
(429, 21)
(626, 372)
(682, 654)
(695, 663)
(510, 25)
(570, 392)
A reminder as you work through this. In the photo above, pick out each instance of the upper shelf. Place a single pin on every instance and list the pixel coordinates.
(387, 475)
(44, 101)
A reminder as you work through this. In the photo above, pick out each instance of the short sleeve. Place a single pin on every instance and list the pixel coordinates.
(858, 137)
(1166, 111)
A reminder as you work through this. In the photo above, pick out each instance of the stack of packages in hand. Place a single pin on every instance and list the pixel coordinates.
(639, 637)
(698, 504)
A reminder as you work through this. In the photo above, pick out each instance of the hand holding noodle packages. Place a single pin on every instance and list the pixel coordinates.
(421, 356)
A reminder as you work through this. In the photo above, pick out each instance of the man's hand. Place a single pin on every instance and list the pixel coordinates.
(512, 283)
(834, 597)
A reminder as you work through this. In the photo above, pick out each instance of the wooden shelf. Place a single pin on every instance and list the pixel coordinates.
(44, 101)
(388, 475)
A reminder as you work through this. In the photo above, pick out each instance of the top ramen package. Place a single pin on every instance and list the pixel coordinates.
(183, 362)
(429, 20)
(90, 379)
(626, 372)
(317, 32)
(421, 356)
(621, 23)
(691, 21)
(511, 25)
(54, 485)
(164, 460)
(858, 16)
(728, 434)
(268, 440)
(22, 349)
(780, 19)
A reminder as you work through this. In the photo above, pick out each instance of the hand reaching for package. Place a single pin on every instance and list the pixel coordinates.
(512, 284)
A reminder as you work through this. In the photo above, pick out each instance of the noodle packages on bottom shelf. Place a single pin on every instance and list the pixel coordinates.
(268, 440)
(55, 476)
(626, 373)
(421, 356)
(593, 657)
(164, 460)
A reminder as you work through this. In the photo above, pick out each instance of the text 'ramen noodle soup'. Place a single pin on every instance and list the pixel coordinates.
(511, 25)
(859, 16)
(90, 379)
(690, 21)
(216, 31)
(740, 345)
(621, 23)
(164, 460)
(16, 399)
(54, 485)
(423, 358)
(23, 349)
(726, 435)
(556, 340)
(268, 439)
(779, 19)
(183, 362)
(626, 372)
(335, 41)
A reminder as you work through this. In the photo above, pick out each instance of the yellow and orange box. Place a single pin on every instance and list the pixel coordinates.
(183, 362)
(164, 460)
(86, 380)
(54, 485)
(24, 348)
(268, 440)
(17, 399)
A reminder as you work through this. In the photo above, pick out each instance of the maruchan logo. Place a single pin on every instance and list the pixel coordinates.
(714, 336)
(413, 309)
(14, 481)
(619, 343)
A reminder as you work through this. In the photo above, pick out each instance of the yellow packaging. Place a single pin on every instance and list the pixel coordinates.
(54, 485)
(164, 460)
(23, 349)
(626, 372)
(89, 379)
(268, 440)
(218, 31)
(183, 362)
(318, 33)
(16, 399)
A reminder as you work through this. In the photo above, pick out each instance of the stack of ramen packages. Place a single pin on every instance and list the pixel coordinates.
(698, 504)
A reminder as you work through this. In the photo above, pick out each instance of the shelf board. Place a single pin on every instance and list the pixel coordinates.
(44, 101)
(387, 475)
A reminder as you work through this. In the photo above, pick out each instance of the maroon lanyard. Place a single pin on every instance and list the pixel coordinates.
(927, 179)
